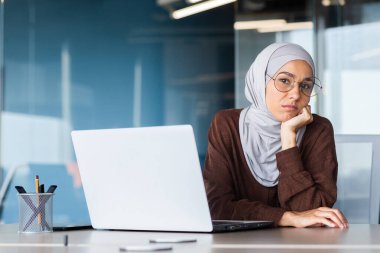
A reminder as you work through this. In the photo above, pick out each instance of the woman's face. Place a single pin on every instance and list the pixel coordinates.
(286, 105)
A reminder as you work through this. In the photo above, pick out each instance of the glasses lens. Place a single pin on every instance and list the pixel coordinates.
(307, 87)
(283, 82)
(317, 88)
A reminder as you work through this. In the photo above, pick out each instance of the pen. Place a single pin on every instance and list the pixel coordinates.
(145, 248)
(37, 181)
(51, 189)
(66, 240)
(42, 188)
(172, 240)
(20, 189)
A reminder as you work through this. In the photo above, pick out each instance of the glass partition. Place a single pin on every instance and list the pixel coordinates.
(258, 25)
(349, 52)
(1, 71)
(354, 181)
(105, 64)
(343, 38)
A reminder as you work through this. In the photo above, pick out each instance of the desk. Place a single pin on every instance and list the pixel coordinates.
(358, 238)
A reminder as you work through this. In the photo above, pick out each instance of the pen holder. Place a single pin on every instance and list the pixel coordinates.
(35, 212)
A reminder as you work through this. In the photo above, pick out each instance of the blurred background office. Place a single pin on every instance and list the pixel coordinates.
(91, 64)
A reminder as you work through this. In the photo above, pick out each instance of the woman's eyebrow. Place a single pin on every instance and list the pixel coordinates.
(308, 78)
(292, 75)
(287, 73)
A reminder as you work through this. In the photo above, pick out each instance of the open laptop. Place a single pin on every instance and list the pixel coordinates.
(146, 178)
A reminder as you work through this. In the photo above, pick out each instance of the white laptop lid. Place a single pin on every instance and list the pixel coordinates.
(143, 178)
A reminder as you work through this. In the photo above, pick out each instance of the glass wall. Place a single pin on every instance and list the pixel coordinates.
(258, 25)
(104, 64)
(90, 64)
(1, 68)
(349, 49)
(342, 37)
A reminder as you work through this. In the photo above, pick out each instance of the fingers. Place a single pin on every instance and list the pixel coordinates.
(307, 110)
(322, 216)
(338, 213)
(306, 115)
(317, 221)
(303, 118)
(326, 222)
(316, 225)
(332, 217)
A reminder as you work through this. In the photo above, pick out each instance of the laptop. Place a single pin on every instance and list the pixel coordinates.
(146, 178)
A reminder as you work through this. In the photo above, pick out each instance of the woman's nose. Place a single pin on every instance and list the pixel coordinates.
(295, 92)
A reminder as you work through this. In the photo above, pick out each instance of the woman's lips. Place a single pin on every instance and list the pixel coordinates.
(290, 107)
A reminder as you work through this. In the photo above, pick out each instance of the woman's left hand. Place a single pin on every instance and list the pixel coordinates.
(322, 216)
(289, 128)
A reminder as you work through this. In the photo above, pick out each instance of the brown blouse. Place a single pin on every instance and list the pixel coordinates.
(307, 180)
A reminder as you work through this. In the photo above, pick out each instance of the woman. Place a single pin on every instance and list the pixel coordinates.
(274, 160)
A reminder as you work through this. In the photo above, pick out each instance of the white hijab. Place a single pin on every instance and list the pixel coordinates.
(259, 130)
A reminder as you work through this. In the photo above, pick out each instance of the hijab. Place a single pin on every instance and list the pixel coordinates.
(259, 130)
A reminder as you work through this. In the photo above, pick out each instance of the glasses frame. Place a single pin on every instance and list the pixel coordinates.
(293, 84)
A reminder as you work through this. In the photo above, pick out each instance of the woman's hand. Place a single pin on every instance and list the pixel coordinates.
(289, 128)
(319, 217)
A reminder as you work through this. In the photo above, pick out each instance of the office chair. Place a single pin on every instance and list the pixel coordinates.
(359, 169)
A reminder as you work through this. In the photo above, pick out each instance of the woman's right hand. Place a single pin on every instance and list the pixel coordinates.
(322, 216)
(289, 128)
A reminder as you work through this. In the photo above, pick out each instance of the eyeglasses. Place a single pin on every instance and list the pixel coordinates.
(285, 81)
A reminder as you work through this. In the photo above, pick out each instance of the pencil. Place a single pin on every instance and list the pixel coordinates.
(37, 181)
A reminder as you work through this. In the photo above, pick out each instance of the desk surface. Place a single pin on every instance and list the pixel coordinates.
(357, 238)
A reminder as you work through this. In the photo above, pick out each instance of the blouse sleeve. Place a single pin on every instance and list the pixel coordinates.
(218, 173)
(309, 183)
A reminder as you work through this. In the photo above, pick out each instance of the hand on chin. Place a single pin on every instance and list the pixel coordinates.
(299, 119)
(289, 115)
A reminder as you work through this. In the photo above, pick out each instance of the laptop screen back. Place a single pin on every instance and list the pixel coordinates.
(143, 178)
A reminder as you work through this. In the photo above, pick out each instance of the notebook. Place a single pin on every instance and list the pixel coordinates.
(146, 178)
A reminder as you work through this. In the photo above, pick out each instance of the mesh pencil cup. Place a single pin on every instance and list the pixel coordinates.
(35, 212)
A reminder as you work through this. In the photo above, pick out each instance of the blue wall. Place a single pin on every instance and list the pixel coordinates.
(187, 70)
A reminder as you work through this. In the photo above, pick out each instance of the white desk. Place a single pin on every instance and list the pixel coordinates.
(358, 238)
